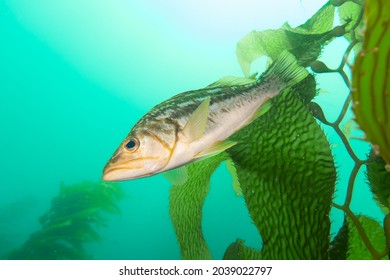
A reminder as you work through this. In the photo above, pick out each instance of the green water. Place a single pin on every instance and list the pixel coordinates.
(75, 77)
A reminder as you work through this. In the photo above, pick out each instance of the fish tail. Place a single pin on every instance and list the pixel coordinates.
(284, 72)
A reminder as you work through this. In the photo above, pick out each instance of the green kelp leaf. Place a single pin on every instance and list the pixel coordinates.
(39, 248)
(85, 195)
(371, 76)
(287, 176)
(71, 222)
(386, 227)
(304, 41)
(320, 22)
(379, 179)
(356, 248)
(238, 251)
(186, 203)
(349, 13)
(348, 243)
(306, 90)
(339, 246)
(259, 43)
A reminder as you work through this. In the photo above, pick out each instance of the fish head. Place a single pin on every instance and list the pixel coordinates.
(144, 152)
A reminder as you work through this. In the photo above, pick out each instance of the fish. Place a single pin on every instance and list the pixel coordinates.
(196, 124)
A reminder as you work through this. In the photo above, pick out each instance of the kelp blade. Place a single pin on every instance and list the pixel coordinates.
(304, 42)
(186, 204)
(287, 177)
(370, 80)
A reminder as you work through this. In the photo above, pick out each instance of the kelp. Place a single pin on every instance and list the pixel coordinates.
(283, 163)
(71, 221)
(277, 183)
(350, 12)
(269, 159)
(371, 75)
(339, 246)
(356, 247)
(283, 175)
(379, 179)
(304, 41)
(354, 36)
(186, 203)
(349, 244)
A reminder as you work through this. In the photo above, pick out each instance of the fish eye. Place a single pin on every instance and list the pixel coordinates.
(132, 145)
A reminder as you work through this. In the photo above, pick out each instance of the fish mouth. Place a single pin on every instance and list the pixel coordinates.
(111, 174)
(111, 177)
(120, 172)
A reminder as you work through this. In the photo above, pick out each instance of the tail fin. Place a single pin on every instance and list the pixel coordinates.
(284, 72)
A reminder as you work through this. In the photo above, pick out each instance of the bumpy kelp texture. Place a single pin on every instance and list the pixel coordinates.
(287, 176)
(371, 78)
(238, 251)
(379, 179)
(186, 203)
(349, 245)
(356, 248)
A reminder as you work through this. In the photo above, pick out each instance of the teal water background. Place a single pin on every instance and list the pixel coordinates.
(76, 75)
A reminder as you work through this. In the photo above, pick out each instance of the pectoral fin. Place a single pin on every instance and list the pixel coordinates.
(215, 149)
(196, 125)
(264, 108)
(177, 176)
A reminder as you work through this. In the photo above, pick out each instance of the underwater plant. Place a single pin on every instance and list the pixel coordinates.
(371, 75)
(71, 222)
(283, 163)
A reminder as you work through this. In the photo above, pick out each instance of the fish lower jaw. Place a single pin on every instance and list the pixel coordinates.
(110, 177)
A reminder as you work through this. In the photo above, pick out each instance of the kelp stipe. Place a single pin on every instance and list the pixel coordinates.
(371, 241)
(371, 79)
(71, 222)
(371, 104)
